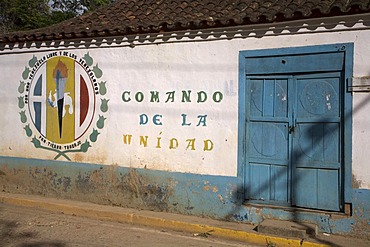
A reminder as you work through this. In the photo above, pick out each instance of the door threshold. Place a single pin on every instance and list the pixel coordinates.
(332, 214)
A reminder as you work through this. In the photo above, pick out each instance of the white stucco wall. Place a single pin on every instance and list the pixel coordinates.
(199, 65)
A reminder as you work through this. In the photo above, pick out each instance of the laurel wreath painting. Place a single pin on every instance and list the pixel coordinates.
(44, 91)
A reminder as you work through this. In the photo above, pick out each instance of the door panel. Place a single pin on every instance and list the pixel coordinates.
(316, 159)
(305, 184)
(269, 141)
(284, 64)
(268, 144)
(268, 182)
(260, 188)
(268, 97)
(328, 190)
(318, 96)
(317, 145)
(311, 187)
(294, 140)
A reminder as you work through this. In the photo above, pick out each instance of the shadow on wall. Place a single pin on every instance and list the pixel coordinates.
(295, 214)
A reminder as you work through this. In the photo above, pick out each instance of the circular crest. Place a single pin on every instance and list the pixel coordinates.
(62, 102)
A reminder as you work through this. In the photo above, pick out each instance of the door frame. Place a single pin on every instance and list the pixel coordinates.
(347, 49)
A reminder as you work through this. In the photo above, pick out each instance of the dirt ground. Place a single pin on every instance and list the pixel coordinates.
(31, 227)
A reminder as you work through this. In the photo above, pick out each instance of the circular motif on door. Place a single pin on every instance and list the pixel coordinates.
(319, 97)
(258, 96)
(318, 142)
(268, 140)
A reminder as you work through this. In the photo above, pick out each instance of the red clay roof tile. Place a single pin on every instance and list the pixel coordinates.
(125, 17)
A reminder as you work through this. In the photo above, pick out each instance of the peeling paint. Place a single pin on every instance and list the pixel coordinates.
(210, 188)
(221, 198)
(104, 185)
(209, 196)
(356, 183)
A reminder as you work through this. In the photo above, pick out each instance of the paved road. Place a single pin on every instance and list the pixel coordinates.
(30, 227)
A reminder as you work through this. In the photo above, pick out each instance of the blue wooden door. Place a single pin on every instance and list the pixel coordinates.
(268, 140)
(294, 140)
(316, 151)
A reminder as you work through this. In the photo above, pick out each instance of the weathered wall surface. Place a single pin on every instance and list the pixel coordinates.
(159, 130)
(203, 195)
(126, 187)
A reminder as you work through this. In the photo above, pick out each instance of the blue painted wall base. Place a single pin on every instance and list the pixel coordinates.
(209, 196)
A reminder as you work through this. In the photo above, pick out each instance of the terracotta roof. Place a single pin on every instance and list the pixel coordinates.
(125, 17)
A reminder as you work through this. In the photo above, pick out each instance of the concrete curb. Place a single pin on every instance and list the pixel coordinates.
(104, 213)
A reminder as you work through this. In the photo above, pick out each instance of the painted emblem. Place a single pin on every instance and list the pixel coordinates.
(61, 101)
